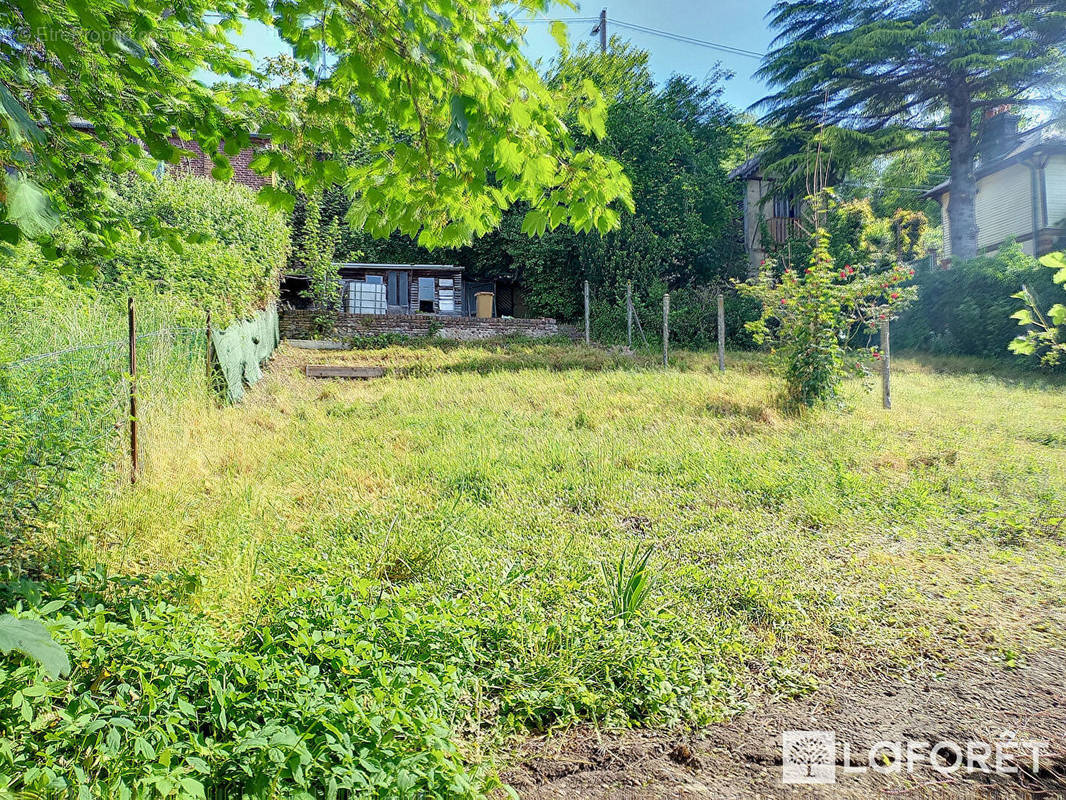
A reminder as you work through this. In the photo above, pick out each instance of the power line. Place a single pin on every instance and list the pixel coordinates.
(677, 37)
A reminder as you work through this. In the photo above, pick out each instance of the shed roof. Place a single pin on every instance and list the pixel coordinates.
(421, 267)
(749, 169)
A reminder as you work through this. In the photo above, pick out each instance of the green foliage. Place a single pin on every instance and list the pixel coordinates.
(1044, 330)
(61, 414)
(317, 248)
(908, 232)
(31, 638)
(219, 248)
(454, 126)
(126, 71)
(966, 310)
(893, 177)
(342, 685)
(671, 141)
(693, 317)
(629, 583)
(464, 126)
(811, 318)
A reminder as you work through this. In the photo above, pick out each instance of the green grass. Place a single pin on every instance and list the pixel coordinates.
(483, 493)
(473, 461)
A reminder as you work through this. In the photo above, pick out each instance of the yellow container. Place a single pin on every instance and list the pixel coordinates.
(484, 304)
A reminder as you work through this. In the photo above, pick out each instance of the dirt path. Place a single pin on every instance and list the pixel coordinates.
(742, 759)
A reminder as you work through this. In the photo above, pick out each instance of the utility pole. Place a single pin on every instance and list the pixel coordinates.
(601, 29)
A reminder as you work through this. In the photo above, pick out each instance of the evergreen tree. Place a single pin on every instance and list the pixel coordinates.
(931, 65)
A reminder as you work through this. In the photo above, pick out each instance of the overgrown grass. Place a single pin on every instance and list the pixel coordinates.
(478, 494)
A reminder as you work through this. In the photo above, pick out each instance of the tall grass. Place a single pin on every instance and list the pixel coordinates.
(425, 554)
(64, 368)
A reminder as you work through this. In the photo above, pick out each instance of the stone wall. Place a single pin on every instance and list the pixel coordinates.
(296, 324)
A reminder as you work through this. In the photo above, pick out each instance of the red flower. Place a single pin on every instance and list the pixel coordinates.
(784, 301)
(843, 274)
(894, 295)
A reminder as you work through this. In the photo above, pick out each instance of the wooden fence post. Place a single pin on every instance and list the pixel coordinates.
(210, 349)
(588, 337)
(134, 448)
(886, 368)
(666, 329)
(629, 314)
(721, 332)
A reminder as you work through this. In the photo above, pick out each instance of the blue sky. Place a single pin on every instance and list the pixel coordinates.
(736, 23)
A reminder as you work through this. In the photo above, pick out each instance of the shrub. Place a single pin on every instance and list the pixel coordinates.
(811, 318)
(966, 310)
(1044, 329)
(225, 250)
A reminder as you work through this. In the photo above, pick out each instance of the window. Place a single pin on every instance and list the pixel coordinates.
(446, 295)
(785, 206)
(427, 291)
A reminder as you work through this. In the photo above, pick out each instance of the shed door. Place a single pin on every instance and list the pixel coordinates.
(397, 288)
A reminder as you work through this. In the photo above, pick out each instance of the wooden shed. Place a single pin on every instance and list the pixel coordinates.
(389, 289)
(408, 288)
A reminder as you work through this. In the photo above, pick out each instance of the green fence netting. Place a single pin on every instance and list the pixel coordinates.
(241, 349)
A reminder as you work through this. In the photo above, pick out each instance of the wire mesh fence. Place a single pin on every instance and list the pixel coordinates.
(654, 321)
(65, 414)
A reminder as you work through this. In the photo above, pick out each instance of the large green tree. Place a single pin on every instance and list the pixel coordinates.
(88, 89)
(930, 65)
(672, 140)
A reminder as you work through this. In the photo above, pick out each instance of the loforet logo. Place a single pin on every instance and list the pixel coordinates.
(812, 756)
(808, 757)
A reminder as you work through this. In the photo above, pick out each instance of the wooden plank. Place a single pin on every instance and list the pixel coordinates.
(318, 344)
(328, 371)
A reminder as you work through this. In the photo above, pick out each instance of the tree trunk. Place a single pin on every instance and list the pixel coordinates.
(962, 216)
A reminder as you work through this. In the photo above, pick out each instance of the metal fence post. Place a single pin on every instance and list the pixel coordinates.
(666, 329)
(886, 368)
(721, 332)
(588, 337)
(134, 448)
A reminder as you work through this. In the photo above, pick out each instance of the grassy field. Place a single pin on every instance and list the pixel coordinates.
(483, 490)
(885, 535)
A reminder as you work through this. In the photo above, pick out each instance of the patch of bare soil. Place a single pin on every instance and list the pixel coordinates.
(742, 759)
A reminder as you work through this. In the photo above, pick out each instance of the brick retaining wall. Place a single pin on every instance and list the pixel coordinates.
(296, 324)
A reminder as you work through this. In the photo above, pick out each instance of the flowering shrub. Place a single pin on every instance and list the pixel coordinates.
(811, 319)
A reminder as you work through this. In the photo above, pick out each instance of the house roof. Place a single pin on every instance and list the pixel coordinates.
(1047, 138)
(749, 169)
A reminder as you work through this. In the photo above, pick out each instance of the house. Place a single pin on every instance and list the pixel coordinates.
(1021, 187)
(200, 164)
(770, 219)
(389, 289)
